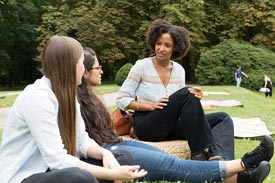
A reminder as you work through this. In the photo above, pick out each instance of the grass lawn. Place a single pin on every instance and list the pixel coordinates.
(254, 105)
(7, 101)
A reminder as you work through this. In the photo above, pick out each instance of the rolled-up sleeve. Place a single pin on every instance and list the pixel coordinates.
(127, 92)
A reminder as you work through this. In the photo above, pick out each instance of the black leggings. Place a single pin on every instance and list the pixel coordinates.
(77, 175)
(269, 86)
(182, 119)
(67, 175)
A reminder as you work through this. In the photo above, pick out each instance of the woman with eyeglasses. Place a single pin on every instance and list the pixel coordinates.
(252, 167)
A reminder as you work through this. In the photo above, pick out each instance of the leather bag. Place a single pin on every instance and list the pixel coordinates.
(122, 122)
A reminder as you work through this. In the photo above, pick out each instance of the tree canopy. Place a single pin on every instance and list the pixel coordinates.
(116, 29)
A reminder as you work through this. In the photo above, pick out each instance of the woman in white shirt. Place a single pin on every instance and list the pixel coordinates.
(44, 135)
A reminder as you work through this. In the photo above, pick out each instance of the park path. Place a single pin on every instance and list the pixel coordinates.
(109, 100)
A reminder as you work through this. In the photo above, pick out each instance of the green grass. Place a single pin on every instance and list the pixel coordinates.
(106, 88)
(254, 105)
(7, 101)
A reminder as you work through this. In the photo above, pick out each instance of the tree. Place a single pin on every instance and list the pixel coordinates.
(217, 65)
(17, 45)
(252, 21)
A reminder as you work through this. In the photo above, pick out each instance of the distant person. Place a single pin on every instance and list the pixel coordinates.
(238, 76)
(268, 84)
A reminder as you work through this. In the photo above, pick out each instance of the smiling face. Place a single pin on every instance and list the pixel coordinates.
(164, 47)
(94, 75)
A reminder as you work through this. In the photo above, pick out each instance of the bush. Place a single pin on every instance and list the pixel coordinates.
(217, 66)
(122, 73)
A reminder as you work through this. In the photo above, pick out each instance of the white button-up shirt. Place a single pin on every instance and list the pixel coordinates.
(31, 141)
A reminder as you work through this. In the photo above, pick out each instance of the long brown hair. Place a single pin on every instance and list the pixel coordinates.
(96, 116)
(60, 57)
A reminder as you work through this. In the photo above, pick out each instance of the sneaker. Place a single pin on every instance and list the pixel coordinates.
(263, 152)
(256, 175)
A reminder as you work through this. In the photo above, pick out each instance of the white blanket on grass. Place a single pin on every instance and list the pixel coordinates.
(249, 127)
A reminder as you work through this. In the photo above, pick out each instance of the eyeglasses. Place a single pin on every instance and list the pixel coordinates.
(97, 67)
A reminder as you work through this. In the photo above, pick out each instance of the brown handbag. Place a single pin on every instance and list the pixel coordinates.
(122, 122)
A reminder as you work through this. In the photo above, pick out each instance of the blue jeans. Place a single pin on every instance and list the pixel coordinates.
(239, 80)
(162, 166)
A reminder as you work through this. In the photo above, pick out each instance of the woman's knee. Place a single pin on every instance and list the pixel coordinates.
(219, 118)
(123, 157)
(184, 93)
(184, 90)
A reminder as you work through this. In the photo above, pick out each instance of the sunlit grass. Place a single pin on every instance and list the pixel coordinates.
(7, 101)
(254, 105)
(106, 88)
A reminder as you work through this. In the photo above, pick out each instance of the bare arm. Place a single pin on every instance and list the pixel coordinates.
(119, 173)
(111, 170)
(143, 106)
(244, 74)
(265, 83)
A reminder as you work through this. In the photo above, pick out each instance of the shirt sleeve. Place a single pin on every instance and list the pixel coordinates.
(40, 112)
(181, 76)
(127, 92)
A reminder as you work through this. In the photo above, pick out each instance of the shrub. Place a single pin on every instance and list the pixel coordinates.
(217, 66)
(122, 73)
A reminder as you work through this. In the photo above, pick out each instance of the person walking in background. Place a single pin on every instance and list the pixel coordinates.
(268, 84)
(238, 76)
(160, 165)
(44, 136)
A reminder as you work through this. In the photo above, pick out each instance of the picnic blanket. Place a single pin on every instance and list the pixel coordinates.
(215, 93)
(249, 127)
(221, 103)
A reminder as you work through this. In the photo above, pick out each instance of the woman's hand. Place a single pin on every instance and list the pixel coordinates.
(108, 159)
(126, 172)
(160, 104)
(197, 92)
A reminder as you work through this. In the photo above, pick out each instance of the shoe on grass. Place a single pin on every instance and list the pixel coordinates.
(263, 152)
(254, 175)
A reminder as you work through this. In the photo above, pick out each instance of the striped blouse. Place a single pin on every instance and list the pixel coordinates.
(144, 84)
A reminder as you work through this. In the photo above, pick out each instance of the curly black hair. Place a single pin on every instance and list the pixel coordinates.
(179, 35)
